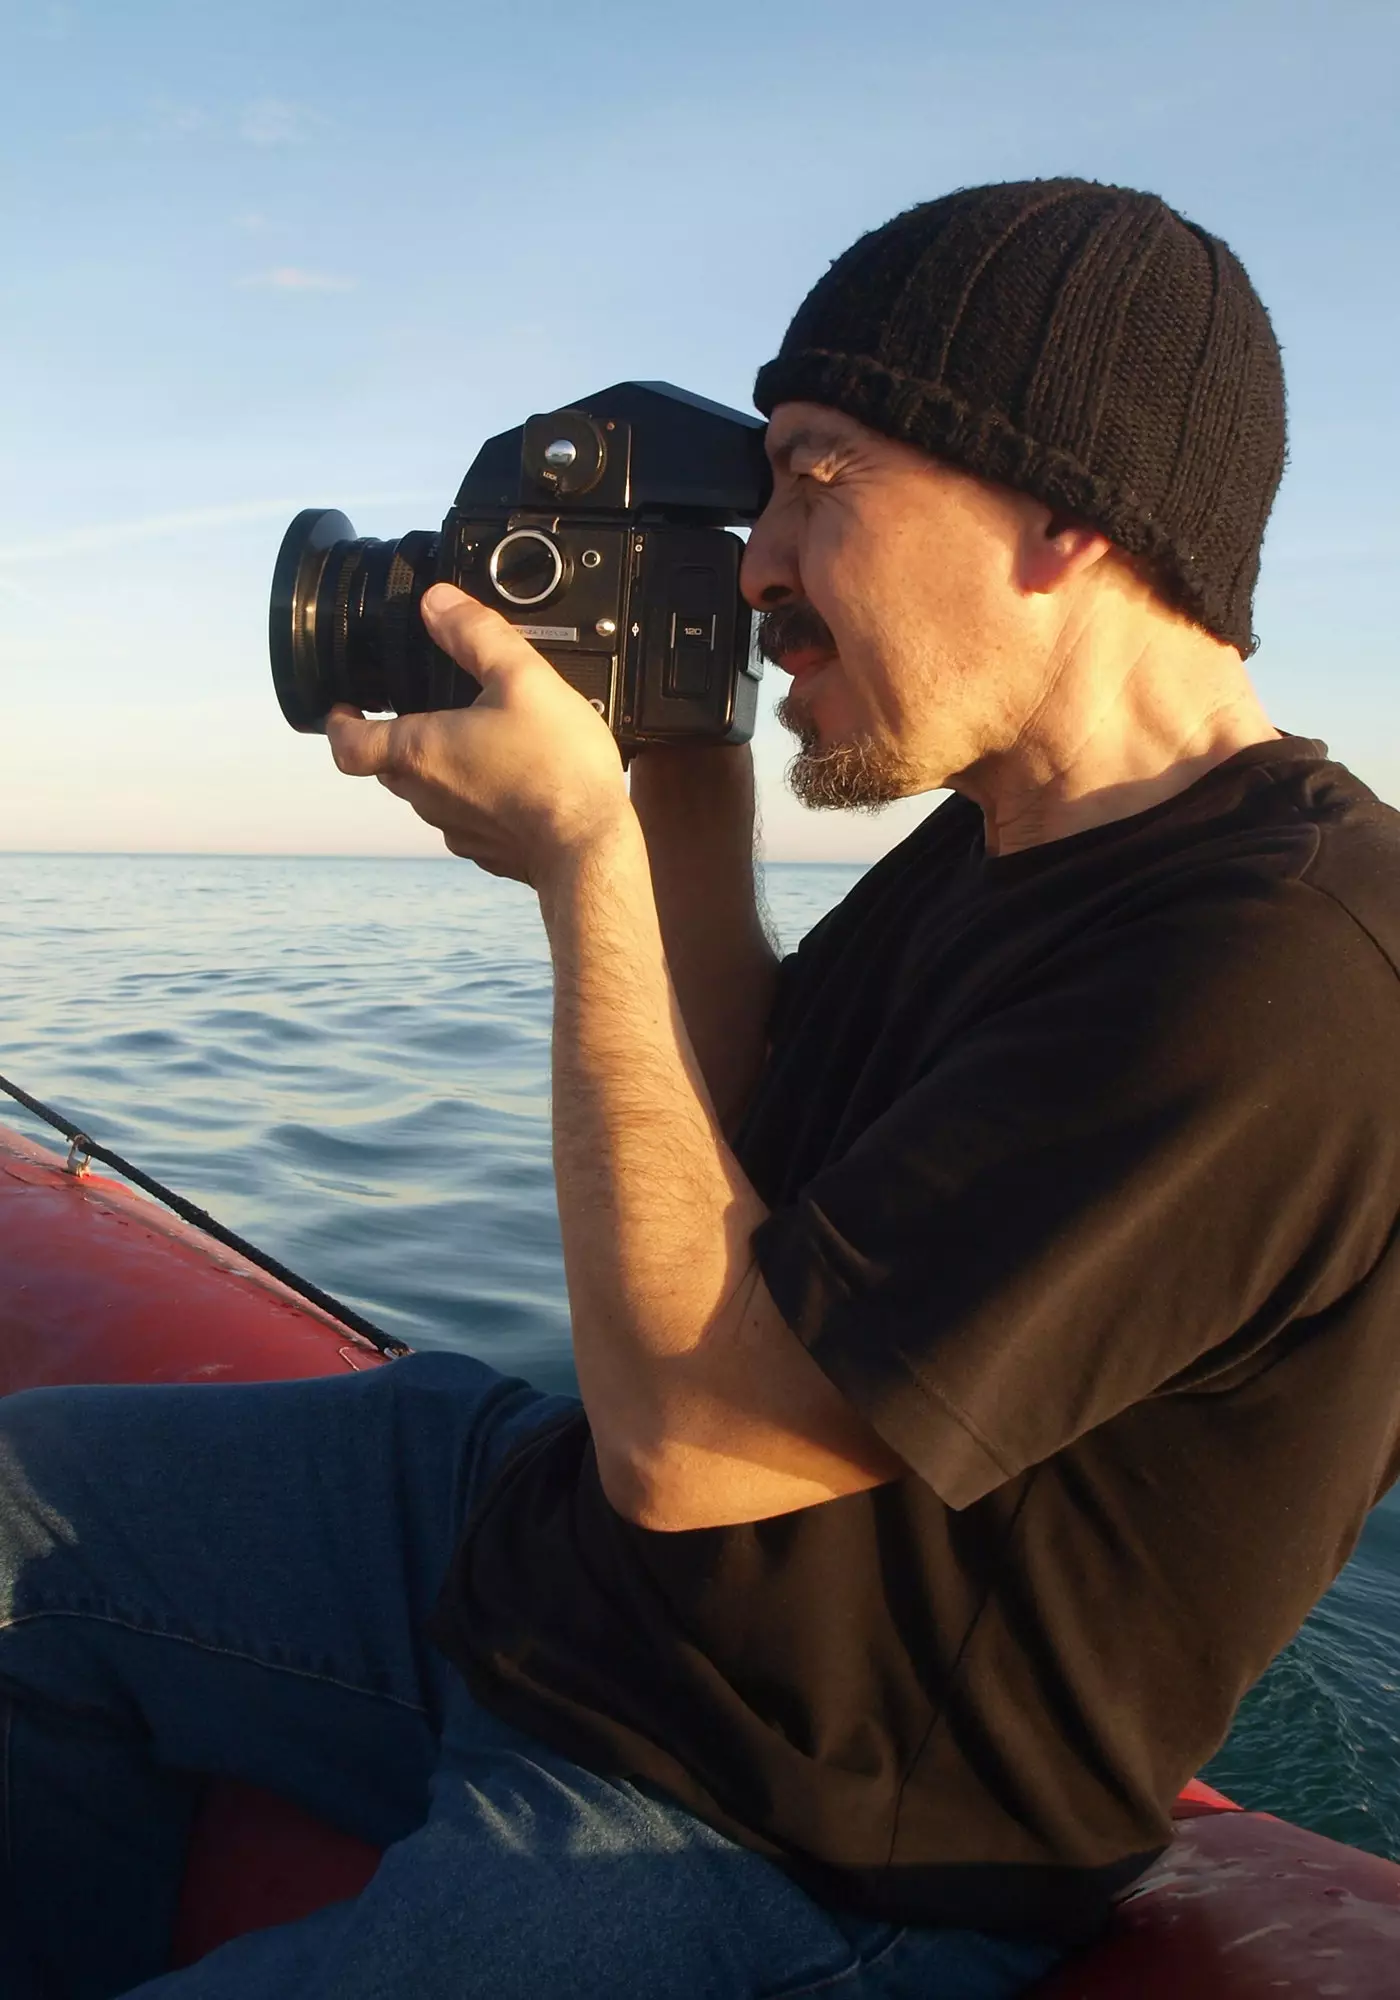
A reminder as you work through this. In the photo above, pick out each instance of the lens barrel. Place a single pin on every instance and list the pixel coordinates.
(344, 623)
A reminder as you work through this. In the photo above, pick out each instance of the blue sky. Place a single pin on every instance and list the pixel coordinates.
(259, 257)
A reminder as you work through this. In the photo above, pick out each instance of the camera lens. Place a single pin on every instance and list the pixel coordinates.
(344, 623)
(526, 567)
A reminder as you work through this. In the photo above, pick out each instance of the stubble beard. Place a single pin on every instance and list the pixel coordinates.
(859, 776)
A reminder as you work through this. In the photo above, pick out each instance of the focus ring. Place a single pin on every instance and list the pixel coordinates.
(347, 576)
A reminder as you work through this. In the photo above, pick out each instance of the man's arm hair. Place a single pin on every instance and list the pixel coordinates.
(705, 1409)
(696, 809)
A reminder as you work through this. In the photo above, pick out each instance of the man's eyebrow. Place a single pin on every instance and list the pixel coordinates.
(808, 437)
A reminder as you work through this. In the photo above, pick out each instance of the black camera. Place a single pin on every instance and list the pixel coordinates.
(599, 531)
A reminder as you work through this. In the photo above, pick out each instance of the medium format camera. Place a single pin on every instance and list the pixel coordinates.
(599, 531)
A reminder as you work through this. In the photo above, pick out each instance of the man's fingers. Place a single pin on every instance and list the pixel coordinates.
(473, 635)
(361, 749)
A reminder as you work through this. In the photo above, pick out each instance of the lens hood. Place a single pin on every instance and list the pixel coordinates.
(303, 671)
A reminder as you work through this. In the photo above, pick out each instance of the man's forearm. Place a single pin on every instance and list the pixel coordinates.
(696, 810)
(703, 1405)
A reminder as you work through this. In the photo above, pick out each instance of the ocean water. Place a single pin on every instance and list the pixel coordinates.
(347, 1061)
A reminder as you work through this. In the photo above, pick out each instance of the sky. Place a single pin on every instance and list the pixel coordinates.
(260, 257)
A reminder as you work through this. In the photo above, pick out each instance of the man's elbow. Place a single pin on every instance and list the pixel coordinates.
(645, 1485)
(626, 1487)
(669, 1488)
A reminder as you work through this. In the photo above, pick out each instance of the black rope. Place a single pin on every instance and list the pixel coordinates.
(187, 1212)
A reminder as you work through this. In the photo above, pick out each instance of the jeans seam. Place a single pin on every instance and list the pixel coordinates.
(223, 1652)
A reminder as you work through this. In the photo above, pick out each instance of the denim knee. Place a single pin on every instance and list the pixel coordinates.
(33, 1521)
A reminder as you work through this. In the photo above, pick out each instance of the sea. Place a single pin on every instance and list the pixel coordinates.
(347, 1061)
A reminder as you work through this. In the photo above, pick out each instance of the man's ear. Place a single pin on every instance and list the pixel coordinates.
(1055, 548)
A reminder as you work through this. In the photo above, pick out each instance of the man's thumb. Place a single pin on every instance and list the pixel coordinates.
(477, 638)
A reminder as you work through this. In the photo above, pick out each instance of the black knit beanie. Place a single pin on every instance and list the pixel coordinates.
(1081, 343)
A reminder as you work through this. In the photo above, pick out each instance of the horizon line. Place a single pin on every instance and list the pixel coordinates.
(270, 854)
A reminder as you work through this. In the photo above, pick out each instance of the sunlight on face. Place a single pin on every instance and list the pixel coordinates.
(885, 581)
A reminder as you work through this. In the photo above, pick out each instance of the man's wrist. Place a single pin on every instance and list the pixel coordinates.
(597, 862)
(664, 775)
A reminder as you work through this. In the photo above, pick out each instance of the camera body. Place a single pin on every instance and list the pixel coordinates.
(600, 531)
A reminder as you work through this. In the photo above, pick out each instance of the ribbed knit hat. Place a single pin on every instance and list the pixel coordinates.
(1081, 343)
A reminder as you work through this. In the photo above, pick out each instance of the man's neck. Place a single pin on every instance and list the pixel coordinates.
(1104, 744)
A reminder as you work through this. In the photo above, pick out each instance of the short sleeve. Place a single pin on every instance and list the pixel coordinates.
(1180, 1138)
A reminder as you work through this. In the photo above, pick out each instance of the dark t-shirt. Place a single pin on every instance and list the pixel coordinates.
(1084, 1171)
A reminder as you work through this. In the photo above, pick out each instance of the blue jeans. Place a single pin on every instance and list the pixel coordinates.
(235, 1581)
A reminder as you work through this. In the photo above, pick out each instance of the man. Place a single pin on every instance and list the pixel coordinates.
(984, 1320)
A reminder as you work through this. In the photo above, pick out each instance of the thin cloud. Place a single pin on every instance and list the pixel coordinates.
(294, 278)
(190, 520)
(276, 121)
(179, 121)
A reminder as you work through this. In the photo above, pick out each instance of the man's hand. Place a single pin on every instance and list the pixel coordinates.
(525, 778)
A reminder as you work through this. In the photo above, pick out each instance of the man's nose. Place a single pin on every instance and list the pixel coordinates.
(768, 574)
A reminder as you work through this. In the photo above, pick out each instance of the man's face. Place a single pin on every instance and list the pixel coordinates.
(886, 580)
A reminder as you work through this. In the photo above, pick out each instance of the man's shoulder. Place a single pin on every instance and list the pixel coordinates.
(1355, 862)
(1291, 843)
(1316, 826)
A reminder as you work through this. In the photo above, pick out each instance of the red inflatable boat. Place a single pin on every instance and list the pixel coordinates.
(98, 1284)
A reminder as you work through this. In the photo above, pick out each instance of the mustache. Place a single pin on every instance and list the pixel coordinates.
(792, 628)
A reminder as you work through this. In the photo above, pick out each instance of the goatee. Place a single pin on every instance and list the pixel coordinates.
(859, 776)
